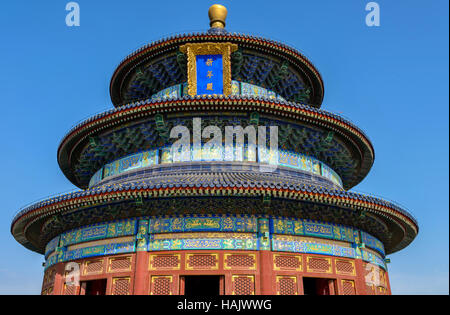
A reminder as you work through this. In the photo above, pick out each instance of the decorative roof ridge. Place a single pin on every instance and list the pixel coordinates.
(147, 185)
(210, 34)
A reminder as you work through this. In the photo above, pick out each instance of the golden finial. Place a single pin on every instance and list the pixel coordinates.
(217, 16)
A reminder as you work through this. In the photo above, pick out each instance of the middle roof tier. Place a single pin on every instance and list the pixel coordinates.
(146, 125)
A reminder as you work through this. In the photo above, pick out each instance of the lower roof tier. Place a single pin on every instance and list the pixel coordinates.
(203, 193)
(146, 125)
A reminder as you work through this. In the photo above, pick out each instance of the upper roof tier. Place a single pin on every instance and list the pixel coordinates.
(262, 62)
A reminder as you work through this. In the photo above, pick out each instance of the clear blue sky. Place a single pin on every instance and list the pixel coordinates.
(392, 81)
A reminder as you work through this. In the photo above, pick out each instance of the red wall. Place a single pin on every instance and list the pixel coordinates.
(244, 272)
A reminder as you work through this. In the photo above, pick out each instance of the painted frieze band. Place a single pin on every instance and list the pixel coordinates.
(164, 156)
(200, 241)
(197, 224)
(99, 231)
(219, 232)
(237, 88)
(298, 244)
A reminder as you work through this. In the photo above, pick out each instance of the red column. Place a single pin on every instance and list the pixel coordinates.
(361, 279)
(266, 273)
(141, 273)
(222, 286)
(183, 286)
(58, 285)
(332, 287)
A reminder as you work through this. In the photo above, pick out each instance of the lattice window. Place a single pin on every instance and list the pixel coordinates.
(344, 267)
(383, 278)
(49, 278)
(117, 264)
(374, 276)
(70, 289)
(161, 285)
(367, 269)
(319, 264)
(371, 272)
(200, 261)
(370, 289)
(287, 285)
(121, 286)
(95, 266)
(240, 261)
(49, 275)
(288, 262)
(243, 285)
(348, 287)
(164, 262)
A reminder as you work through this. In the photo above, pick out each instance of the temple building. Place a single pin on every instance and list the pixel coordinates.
(215, 217)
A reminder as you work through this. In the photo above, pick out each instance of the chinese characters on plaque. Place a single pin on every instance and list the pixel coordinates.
(209, 74)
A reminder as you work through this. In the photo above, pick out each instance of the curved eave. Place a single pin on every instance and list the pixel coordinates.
(285, 110)
(267, 46)
(398, 218)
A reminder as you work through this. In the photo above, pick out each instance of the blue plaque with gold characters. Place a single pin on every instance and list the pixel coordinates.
(209, 74)
(209, 68)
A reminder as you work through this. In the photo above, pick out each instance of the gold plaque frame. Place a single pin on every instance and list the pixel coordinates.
(209, 48)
